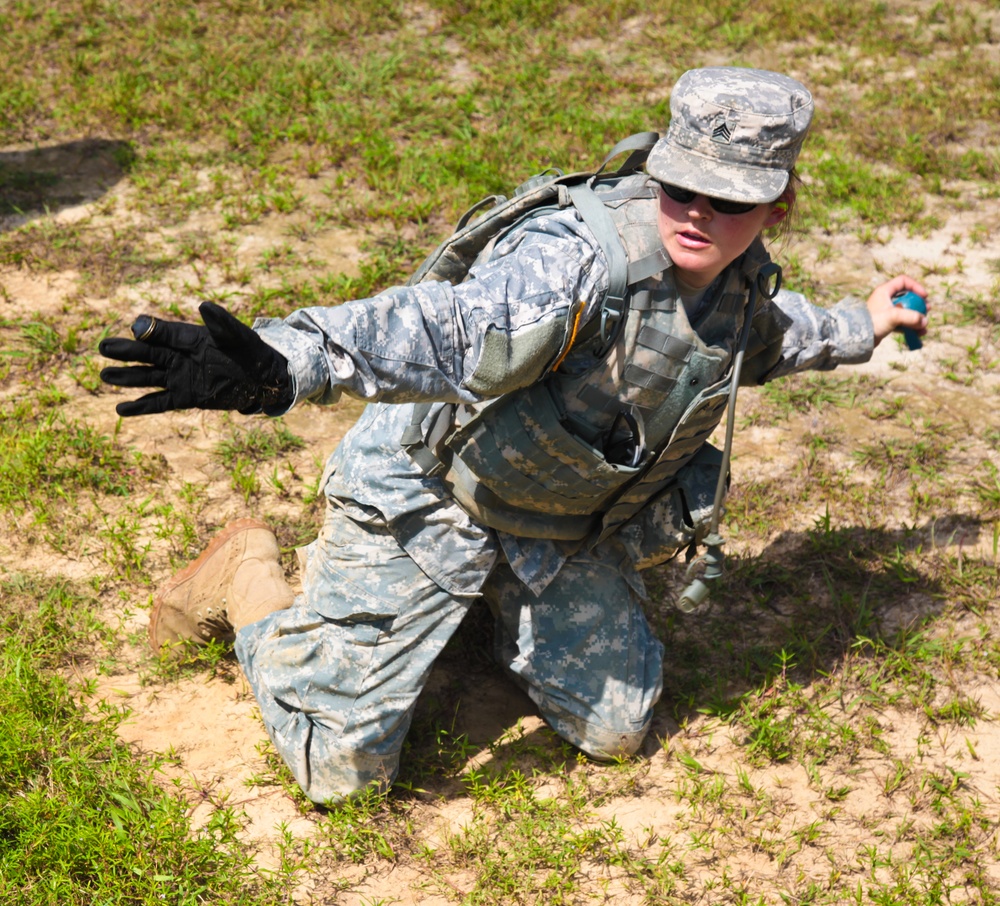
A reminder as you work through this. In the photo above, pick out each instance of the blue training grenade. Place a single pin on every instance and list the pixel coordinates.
(909, 299)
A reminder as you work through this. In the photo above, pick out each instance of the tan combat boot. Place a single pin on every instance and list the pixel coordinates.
(236, 581)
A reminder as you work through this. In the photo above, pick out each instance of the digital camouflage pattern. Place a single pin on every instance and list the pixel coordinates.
(549, 460)
(734, 133)
(400, 560)
(436, 349)
(337, 674)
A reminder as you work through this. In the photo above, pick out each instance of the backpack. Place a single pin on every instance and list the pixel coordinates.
(477, 233)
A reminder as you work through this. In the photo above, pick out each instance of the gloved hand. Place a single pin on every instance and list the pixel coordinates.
(223, 365)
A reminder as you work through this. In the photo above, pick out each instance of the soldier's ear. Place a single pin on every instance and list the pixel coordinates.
(781, 208)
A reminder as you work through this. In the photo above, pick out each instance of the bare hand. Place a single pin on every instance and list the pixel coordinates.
(887, 317)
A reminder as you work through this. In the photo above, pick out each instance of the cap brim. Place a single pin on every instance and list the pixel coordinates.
(706, 176)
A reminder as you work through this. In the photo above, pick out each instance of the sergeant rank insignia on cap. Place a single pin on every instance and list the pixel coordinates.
(723, 132)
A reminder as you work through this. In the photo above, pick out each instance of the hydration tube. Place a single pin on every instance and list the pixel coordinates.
(709, 566)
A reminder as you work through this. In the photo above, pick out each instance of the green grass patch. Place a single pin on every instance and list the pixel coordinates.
(44, 447)
(104, 258)
(811, 391)
(82, 821)
(246, 451)
(497, 90)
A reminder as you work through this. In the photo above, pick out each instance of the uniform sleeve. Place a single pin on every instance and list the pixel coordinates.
(789, 334)
(499, 330)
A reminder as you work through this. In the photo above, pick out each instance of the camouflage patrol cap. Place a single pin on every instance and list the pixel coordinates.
(734, 133)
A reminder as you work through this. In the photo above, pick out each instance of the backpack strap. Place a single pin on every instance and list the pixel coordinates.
(422, 437)
(413, 441)
(639, 144)
(595, 215)
(613, 306)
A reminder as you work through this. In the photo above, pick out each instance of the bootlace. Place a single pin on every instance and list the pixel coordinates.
(215, 625)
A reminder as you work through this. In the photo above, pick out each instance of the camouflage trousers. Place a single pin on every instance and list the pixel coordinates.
(337, 675)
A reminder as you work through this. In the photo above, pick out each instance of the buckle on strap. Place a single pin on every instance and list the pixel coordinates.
(611, 316)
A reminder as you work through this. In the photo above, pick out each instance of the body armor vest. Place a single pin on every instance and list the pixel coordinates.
(583, 450)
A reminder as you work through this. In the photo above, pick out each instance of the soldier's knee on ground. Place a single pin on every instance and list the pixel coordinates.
(334, 787)
(597, 741)
(328, 768)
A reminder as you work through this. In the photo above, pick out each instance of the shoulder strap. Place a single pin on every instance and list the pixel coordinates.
(597, 218)
(639, 144)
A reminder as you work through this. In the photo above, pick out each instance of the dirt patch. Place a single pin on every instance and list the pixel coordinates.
(208, 727)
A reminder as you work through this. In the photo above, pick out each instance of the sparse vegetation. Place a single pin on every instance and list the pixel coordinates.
(828, 730)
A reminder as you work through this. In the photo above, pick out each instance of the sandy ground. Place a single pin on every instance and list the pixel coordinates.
(208, 723)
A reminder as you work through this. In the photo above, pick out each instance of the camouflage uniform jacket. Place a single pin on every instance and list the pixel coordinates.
(501, 330)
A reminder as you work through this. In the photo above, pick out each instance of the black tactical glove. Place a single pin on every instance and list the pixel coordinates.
(223, 365)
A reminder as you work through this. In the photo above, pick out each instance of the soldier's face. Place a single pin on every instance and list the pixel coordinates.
(701, 242)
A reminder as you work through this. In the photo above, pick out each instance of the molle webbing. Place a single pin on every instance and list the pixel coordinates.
(485, 464)
(488, 509)
(532, 462)
(660, 374)
(694, 430)
(520, 447)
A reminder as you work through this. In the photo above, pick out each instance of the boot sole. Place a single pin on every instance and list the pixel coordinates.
(227, 532)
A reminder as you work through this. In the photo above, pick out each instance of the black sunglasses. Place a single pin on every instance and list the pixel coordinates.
(685, 196)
